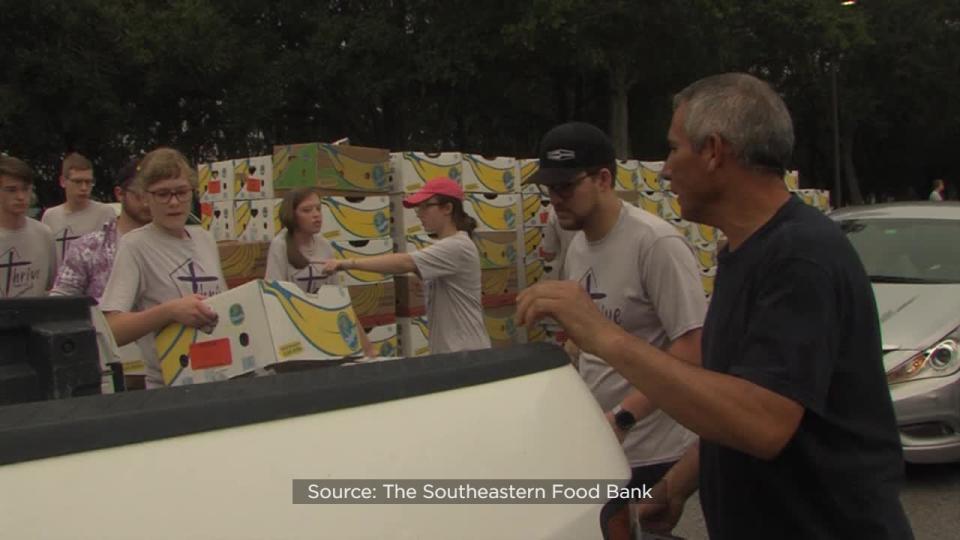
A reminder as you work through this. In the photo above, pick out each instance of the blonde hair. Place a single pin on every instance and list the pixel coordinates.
(288, 218)
(75, 162)
(163, 164)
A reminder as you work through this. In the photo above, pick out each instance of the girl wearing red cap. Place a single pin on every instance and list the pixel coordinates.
(450, 268)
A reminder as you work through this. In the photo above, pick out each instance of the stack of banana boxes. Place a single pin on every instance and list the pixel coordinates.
(355, 184)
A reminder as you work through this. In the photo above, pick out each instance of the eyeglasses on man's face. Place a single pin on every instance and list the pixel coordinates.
(166, 195)
(564, 190)
(82, 182)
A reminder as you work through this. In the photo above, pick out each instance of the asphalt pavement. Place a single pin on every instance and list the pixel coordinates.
(930, 496)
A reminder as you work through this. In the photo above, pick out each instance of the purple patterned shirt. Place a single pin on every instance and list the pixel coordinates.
(87, 263)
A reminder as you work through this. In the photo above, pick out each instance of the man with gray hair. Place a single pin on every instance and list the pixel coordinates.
(797, 432)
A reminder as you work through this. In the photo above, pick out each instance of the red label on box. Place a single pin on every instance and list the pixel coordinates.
(210, 354)
(213, 187)
(253, 185)
(206, 209)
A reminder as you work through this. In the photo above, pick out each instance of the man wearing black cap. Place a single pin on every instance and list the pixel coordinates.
(641, 274)
(797, 433)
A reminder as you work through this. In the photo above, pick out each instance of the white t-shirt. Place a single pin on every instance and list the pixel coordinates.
(556, 240)
(450, 269)
(68, 226)
(644, 277)
(310, 277)
(27, 260)
(153, 267)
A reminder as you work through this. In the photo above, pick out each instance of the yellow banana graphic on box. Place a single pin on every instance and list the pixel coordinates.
(651, 178)
(671, 207)
(240, 167)
(373, 223)
(242, 216)
(706, 232)
(531, 207)
(536, 334)
(173, 348)
(532, 238)
(500, 329)
(387, 346)
(276, 216)
(707, 257)
(331, 330)
(494, 254)
(357, 173)
(708, 282)
(534, 272)
(494, 281)
(342, 252)
(203, 178)
(420, 325)
(493, 178)
(627, 176)
(498, 218)
(366, 298)
(527, 168)
(427, 170)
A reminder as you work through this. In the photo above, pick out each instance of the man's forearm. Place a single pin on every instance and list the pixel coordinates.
(718, 407)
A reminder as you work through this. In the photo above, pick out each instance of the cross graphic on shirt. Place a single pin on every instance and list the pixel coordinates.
(10, 265)
(194, 279)
(311, 278)
(65, 241)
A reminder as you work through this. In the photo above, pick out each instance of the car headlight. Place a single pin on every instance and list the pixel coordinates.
(940, 360)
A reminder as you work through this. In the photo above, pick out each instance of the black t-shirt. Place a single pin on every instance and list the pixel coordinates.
(793, 312)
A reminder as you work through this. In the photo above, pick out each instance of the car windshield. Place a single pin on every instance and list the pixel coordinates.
(907, 250)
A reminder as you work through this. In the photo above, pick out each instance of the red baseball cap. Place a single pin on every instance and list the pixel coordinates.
(438, 186)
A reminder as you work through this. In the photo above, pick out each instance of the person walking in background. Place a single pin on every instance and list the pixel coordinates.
(78, 215)
(450, 268)
(938, 190)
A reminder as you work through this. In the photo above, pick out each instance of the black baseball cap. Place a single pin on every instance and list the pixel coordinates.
(570, 148)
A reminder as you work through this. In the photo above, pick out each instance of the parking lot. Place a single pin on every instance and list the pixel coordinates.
(931, 498)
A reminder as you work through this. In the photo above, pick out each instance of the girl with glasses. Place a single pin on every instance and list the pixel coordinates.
(165, 269)
(450, 268)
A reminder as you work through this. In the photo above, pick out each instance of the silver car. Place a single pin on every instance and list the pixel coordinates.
(912, 253)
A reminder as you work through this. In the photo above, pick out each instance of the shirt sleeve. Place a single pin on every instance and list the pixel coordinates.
(52, 256)
(73, 276)
(276, 260)
(792, 336)
(672, 281)
(445, 258)
(123, 287)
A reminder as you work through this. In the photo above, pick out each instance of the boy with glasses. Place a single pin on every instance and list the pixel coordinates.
(79, 215)
(87, 264)
(26, 246)
(640, 273)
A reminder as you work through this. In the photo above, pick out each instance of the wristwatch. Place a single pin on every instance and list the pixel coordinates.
(623, 418)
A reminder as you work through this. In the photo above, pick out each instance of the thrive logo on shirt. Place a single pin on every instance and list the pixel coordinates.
(191, 278)
(591, 284)
(18, 274)
(63, 240)
(310, 278)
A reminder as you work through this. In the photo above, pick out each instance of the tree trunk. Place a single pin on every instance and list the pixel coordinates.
(619, 113)
(849, 169)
